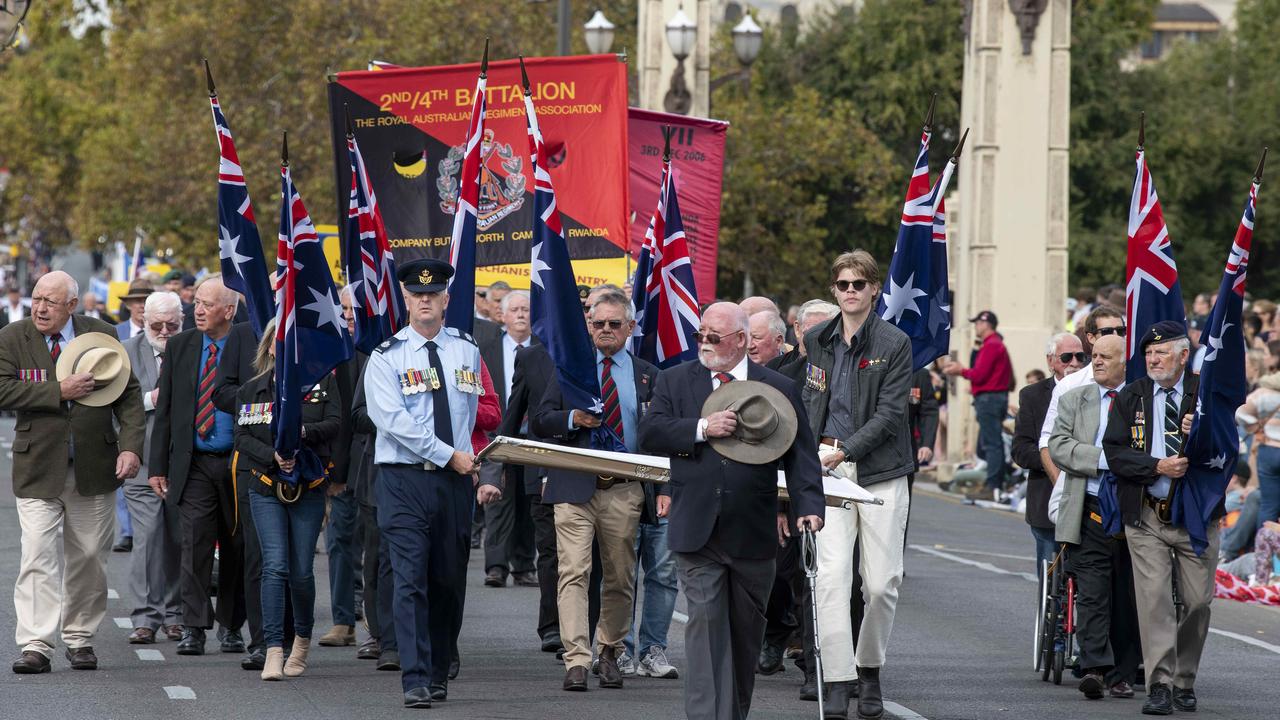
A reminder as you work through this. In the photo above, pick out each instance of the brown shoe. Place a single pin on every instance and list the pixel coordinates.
(610, 675)
(82, 658)
(173, 632)
(339, 636)
(526, 579)
(34, 663)
(575, 678)
(1122, 690)
(142, 636)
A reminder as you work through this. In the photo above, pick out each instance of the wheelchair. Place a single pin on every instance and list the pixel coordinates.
(1055, 647)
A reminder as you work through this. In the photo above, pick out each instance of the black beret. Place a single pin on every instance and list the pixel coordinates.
(1163, 332)
(425, 275)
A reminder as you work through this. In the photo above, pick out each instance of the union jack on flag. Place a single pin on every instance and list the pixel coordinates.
(376, 299)
(460, 313)
(663, 294)
(244, 267)
(1152, 291)
(311, 334)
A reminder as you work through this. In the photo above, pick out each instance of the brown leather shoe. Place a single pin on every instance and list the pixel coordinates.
(142, 636)
(610, 675)
(82, 658)
(1122, 690)
(33, 663)
(173, 632)
(575, 678)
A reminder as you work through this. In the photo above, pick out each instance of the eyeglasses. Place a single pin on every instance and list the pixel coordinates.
(1079, 356)
(712, 338)
(613, 324)
(172, 327)
(844, 285)
(1112, 331)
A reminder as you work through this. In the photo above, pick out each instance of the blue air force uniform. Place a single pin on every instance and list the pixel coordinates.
(422, 395)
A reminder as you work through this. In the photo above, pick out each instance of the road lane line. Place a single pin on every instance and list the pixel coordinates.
(1006, 556)
(902, 713)
(124, 624)
(112, 594)
(1246, 639)
(150, 655)
(974, 563)
(179, 692)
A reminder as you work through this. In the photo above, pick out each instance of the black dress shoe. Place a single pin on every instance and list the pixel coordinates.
(256, 658)
(125, 545)
(233, 642)
(1159, 700)
(82, 658)
(610, 675)
(418, 697)
(770, 660)
(439, 691)
(31, 663)
(1184, 700)
(496, 577)
(529, 578)
(575, 679)
(552, 643)
(455, 665)
(369, 650)
(809, 688)
(192, 642)
(389, 660)
(870, 704)
(1093, 685)
(837, 701)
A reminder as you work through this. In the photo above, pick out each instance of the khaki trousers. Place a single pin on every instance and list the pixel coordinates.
(1171, 649)
(611, 518)
(62, 581)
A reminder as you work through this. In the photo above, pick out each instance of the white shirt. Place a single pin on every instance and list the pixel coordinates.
(739, 372)
(1079, 378)
(15, 313)
(1160, 488)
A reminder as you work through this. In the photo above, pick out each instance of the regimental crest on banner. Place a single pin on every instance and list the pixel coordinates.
(500, 194)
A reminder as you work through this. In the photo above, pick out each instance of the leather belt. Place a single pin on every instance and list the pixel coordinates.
(604, 482)
(1162, 508)
(428, 466)
(830, 442)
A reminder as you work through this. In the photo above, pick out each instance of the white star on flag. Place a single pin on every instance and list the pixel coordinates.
(1215, 343)
(538, 266)
(901, 298)
(227, 249)
(328, 311)
(1218, 463)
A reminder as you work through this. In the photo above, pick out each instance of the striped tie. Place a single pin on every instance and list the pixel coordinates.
(56, 348)
(724, 377)
(1172, 426)
(612, 408)
(204, 406)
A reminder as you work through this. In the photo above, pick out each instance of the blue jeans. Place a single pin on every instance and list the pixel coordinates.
(342, 543)
(990, 409)
(1268, 484)
(660, 589)
(287, 534)
(124, 525)
(1046, 547)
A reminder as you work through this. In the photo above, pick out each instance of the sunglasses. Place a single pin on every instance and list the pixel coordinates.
(1079, 356)
(712, 338)
(172, 327)
(844, 285)
(1112, 331)
(613, 324)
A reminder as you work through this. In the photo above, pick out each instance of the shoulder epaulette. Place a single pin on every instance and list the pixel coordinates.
(387, 344)
(459, 334)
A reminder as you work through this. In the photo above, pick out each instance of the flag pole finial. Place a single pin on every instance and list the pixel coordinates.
(346, 110)
(928, 118)
(667, 131)
(208, 76)
(484, 62)
(1257, 176)
(1142, 130)
(284, 149)
(524, 77)
(955, 156)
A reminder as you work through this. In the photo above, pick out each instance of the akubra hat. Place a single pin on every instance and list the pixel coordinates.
(138, 290)
(766, 421)
(104, 357)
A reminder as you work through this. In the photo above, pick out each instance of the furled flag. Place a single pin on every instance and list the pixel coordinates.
(555, 306)
(244, 267)
(311, 335)
(461, 311)
(1152, 291)
(136, 262)
(663, 295)
(916, 297)
(1213, 445)
(376, 299)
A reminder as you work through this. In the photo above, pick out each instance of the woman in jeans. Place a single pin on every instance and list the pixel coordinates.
(1260, 415)
(288, 517)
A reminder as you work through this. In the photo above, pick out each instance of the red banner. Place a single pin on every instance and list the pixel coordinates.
(697, 159)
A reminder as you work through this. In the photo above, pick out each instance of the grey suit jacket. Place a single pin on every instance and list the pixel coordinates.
(143, 361)
(1072, 445)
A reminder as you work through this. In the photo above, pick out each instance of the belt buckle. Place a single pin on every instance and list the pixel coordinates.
(604, 482)
(429, 466)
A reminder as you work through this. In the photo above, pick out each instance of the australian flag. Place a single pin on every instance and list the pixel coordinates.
(1152, 292)
(371, 270)
(663, 295)
(461, 311)
(916, 298)
(555, 306)
(1213, 446)
(244, 268)
(311, 335)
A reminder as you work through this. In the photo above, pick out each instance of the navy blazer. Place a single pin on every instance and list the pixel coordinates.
(711, 493)
(551, 422)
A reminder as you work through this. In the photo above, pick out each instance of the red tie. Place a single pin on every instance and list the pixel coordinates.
(1111, 394)
(56, 348)
(204, 406)
(724, 377)
(612, 408)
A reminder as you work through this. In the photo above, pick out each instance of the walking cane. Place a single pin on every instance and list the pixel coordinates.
(809, 556)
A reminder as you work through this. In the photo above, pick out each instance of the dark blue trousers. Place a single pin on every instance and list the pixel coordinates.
(425, 520)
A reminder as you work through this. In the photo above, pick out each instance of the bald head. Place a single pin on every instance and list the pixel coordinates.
(215, 306)
(53, 299)
(1108, 361)
(758, 303)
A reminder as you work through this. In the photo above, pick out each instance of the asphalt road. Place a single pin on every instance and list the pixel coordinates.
(961, 649)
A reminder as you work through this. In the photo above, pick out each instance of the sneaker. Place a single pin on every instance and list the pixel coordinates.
(626, 664)
(654, 664)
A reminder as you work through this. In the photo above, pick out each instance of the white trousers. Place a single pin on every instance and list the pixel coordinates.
(62, 579)
(880, 530)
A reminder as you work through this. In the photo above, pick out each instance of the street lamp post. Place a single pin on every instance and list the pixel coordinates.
(562, 25)
(682, 33)
(599, 33)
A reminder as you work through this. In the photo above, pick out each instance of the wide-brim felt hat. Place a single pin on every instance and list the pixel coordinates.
(766, 421)
(103, 356)
(138, 290)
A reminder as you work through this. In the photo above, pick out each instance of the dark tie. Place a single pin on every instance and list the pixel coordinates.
(56, 348)
(1172, 426)
(440, 399)
(724, 377)
(1111, 394)
(612, 408)
(204, 405)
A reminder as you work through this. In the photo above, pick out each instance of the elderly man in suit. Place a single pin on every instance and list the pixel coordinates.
(153, 567)
(1108, 620)
(131, 309)
(65, 510)
(723, 513)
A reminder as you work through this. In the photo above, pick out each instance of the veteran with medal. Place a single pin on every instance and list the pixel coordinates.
(423, 402)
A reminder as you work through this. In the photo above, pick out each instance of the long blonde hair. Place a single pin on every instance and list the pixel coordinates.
(262, 361)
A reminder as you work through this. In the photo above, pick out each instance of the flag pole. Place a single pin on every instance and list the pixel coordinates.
(928, 118)
(208, 75)
(1257, 175)
(1142, 131)
(284, 149)
(955, 156)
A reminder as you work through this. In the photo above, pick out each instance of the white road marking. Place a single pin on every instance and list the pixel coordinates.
(124, 624)
(179, 692)
(1246, 639)
(1006, 556)
(150, 655)
(902, 713)
(680, 617)
(112, 594)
